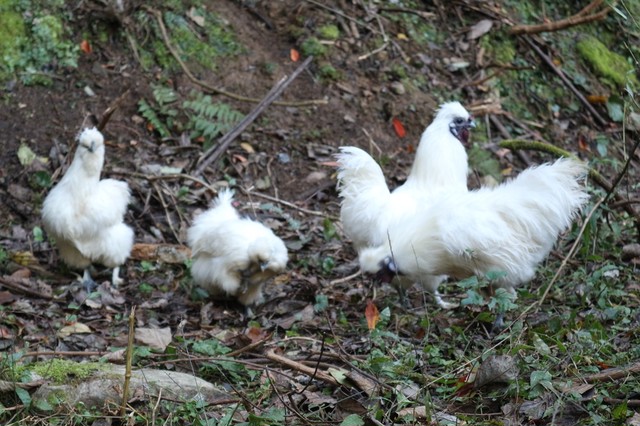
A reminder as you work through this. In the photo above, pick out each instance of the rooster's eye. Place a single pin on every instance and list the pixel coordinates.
(458, 120)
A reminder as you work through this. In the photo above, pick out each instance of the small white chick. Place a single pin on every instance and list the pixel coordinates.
(233, 256)
(84, 214)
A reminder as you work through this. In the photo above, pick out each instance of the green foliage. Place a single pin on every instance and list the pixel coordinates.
(612, 66)
(34, 39)
(209, 119)
(198, 114)
(313, 47)
(330, 32)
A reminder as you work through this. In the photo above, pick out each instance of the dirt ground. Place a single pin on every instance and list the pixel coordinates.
(282, 167)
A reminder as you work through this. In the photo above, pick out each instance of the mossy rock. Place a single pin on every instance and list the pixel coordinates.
(611, 66)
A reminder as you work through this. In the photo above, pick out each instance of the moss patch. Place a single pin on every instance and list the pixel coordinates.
(61, 371)
(613, 67)
(12, 35)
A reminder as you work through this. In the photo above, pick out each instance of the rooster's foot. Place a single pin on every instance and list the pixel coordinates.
(116, 281)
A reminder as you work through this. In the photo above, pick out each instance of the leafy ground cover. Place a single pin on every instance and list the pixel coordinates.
(328, 346)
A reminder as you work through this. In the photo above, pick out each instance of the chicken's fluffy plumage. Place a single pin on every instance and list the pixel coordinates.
(510, 228)
(84, 214)
(233, 256)
(368, 207)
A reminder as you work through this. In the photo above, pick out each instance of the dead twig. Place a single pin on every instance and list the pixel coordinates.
(566, 81)
(286, 203)
(216, 151)
(106, 115)
(595, 176)
(612, 374)
(312, 372)
(13, 285)
(582, 17)
(129, 358)
(208, 87)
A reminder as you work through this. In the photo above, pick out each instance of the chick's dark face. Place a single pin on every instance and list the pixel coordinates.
(459, 128)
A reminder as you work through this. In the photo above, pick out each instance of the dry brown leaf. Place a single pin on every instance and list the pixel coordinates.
(157, 338)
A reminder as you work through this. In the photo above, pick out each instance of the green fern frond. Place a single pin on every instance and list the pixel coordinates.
(149, 113)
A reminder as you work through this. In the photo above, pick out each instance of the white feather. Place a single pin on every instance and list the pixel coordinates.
(85, 214)
(510, 228)
(233, 256)
(368, 207)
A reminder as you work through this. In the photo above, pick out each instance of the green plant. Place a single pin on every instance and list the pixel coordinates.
(160, 112)
(313, 47)
(208, 119)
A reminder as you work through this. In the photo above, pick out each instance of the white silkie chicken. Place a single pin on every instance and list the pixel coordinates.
(233, 256)
(440, 166)
(509, 229)
(84, 214)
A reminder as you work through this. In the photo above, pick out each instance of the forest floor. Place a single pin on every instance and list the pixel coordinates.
(311, 355)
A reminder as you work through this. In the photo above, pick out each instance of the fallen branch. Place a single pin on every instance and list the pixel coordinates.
(13, 285)
(579, 18)
(312, 372)
(567, 82)
(612, 374)
(515, 144)
(205, 85)
(216, 151)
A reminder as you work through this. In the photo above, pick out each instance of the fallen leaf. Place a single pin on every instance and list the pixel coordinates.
(75, 328)
(157, 338)
(85, 46)
(372, 314)
(26, 155)
(295, 55)
(247, 147)
(402, 36)
(597, 99)
(398, 127)
(480, 29)
(195, 17)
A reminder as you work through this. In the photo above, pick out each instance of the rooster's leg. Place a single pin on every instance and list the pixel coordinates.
(115, 279)
(87, 281)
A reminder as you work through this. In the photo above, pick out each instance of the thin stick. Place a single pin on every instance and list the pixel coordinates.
(127, 371)
(345, 279)
(515, 144)
(215, 152)
(106, 115)
(207, 86)
(566, 81)
(581, 17)
(271, 355)
(286, 203)
(570, 254)
(22, 289)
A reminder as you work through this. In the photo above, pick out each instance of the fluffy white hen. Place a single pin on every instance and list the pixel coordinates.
(510, 228)
(84, 214)
(440, 166)
(233, 256)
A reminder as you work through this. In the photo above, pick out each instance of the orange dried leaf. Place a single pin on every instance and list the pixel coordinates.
(398, 127)
(597, 99)
(85, 46)
(372, 315)
(295, 55)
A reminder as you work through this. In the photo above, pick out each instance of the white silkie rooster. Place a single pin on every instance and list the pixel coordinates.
(440, 166)
(84, 214)
(234, 256)
(507, 229)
